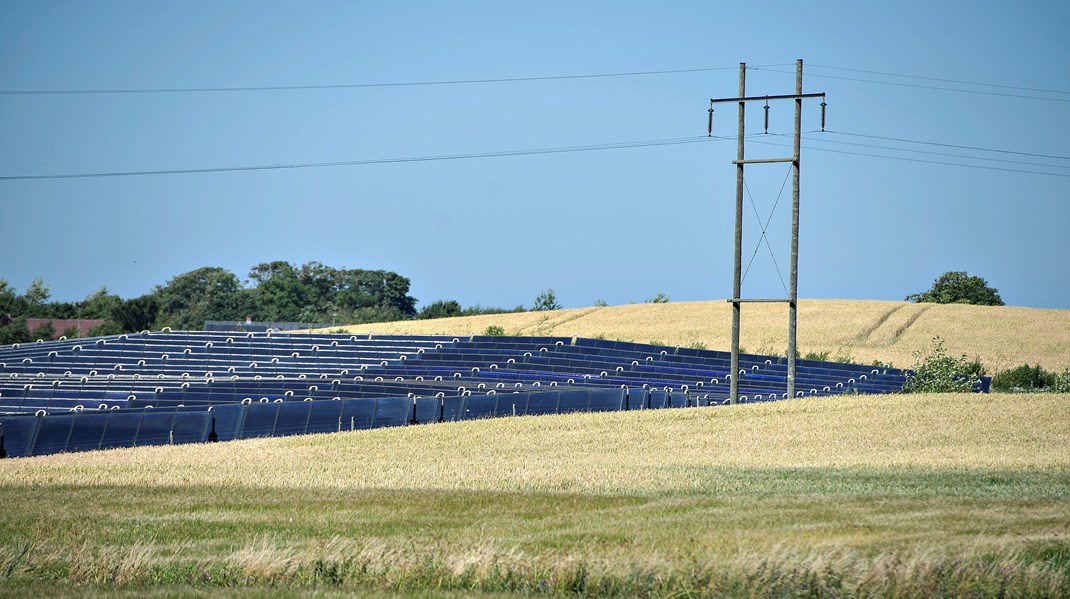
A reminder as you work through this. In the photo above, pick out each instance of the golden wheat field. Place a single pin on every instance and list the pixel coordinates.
(641, 452)
(866, 331)
(900, 495)
(903, 495)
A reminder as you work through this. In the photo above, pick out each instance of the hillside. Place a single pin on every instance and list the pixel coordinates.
(920, 495)
(866, 331)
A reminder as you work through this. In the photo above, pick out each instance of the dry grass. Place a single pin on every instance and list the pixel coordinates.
(1002, 337)
(899, 495)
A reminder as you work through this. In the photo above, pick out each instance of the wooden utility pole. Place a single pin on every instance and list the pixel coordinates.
(737, 292)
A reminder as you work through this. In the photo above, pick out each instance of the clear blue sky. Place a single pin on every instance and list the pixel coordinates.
(617, 225)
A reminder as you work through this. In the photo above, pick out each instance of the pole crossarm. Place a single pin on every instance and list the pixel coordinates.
(763, 160)
(763, 98)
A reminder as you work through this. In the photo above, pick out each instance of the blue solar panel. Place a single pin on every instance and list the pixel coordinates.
(226, 421)
(155, 428)
(480, 406)
(358, 414)
(325, 416)
(293, 418)
(53, 434)
(574, 401)
(427, 410)
(121, 430)
(546, 402)
(194, 379)
(393, 411)
(88, 431)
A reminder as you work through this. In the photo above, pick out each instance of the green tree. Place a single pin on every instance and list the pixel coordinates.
(44, 331)
(38, 292)
(71, 332)
(959, 288)
(108, 327)
(137, 314)
(319, 293)
(209, 293)
(280, 295)
(15, 332)
(440, 309)
(98, 304)
(660, 298)
(36, 298)
(546, 301)
(11, 303)
(377, 294)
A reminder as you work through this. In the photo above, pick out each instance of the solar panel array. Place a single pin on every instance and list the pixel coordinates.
(193, 387)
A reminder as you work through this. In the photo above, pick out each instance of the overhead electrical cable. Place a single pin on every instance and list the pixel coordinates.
(903, 158)
(268, 167)
(945, 145)
(181, 90)
(920, 86)
(931, 153)
(959, 81)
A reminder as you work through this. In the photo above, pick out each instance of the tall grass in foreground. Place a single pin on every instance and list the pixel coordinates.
(340, 565)
(945, 495)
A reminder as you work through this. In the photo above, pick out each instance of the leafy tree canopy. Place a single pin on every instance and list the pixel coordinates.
(137, 314)
(546, 301)
(209, 293)
(959, 288)
(319, 293)
(275, 291)
(441, 309)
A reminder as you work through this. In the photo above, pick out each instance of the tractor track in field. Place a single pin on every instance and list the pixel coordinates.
(898, 333)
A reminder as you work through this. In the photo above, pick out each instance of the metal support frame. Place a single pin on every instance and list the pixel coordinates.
(740, 161)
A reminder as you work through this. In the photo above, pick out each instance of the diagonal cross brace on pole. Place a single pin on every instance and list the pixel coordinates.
(737, 298)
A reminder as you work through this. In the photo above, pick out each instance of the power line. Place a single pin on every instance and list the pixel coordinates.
(178, 90)
(959, 81)
(961, 147)
(848, 143)
(922, 160)
(919, 86)
(227, 169)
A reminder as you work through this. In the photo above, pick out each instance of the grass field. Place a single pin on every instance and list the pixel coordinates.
(904, 495)
(865, 331)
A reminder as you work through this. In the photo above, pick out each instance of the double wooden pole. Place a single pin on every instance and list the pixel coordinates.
(737, 298)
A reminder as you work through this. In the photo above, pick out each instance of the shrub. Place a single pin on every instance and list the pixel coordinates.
(1062, 382)
(938, 372)
(106, 328)
(46, 332)
(1024, 378)
(494, 331)
(440, 309)
(546, 301)
(660, 298)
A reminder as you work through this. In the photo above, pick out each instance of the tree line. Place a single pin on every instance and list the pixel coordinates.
(273, 292)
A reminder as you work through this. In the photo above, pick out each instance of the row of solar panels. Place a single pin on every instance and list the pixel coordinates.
(92, 430)
(104, 384)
